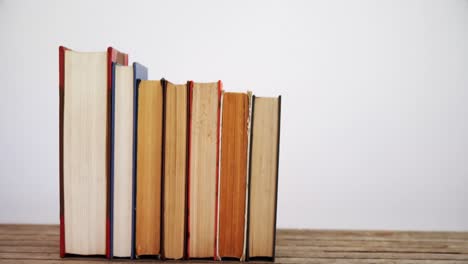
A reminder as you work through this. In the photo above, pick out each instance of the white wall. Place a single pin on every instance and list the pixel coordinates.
(375, 97)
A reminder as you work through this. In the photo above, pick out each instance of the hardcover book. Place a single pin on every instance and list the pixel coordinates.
(175, 170)
(203, 169)
(85, 88)
(150, 142)
(123, 167)
(263, 184)
(233, 176)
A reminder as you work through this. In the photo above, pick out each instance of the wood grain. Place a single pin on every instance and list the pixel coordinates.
(263, 177)
(149, 153)
(203, 160)
(317, 246)
(175, 173)
(233, 176)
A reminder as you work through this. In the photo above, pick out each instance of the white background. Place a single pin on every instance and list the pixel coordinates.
(375, 97)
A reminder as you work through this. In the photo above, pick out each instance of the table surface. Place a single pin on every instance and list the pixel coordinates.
(40, 244)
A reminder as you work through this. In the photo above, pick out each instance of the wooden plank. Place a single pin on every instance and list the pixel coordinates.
(42, 247)
(282, 250)
(278, 260)
(292, 254)
(373, 255)
(29, 249)
(364, 261)
(10, 229)
(374, 249)
(438, 245)
(39, 244)
(377, 243)
(407, 235)
(94, 261)
(29, 237)
(87, 261)
(31, 255)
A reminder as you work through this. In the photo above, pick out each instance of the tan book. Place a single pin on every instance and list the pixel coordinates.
(149, 168)
(203, 169)
(175, 170)
(263, 183)
(123, 157)
(233, 175)
(122, 161)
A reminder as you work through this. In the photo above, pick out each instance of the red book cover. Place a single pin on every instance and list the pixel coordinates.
(61, 99)
(220, 88)
(113, 55)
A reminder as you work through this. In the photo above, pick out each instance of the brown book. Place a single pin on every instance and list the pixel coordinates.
(233, 175)
(263, 184)
(149, 167)
(203, 169)
(175, 170)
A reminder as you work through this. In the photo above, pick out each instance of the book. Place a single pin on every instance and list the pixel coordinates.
(233, 175)
(140, 73)
(149, 151)
(123, 166)
(84, 149)
(175, 170)
(203, 169)
(263, 183)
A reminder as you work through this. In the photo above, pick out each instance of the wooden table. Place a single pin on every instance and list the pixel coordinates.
(40, 244)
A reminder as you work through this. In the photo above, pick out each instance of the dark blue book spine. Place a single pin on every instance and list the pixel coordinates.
(112, 139)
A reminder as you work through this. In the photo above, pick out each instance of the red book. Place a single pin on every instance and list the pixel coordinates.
(85, 89)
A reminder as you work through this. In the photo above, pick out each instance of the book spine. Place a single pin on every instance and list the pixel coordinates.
(190, 84)
(113, 55)
(135, 123)
(218, 185)
(109, 94)
(187, 168)
(218, 128)
(247, 183)
(249, 177)
(277, 176)
(61, 108)
(248, 258)
(111, 178)
(163, 150)
(140, 72)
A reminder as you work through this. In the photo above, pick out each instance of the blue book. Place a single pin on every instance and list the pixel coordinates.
(125, 80)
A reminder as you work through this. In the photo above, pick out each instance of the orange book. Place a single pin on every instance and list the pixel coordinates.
(149, 168)
(233, 175)
(174, 201)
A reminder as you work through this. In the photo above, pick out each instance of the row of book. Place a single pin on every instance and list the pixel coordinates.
(149, 168)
